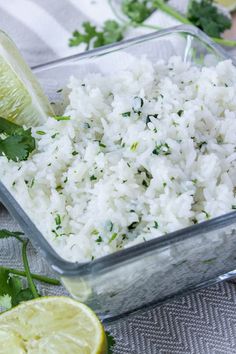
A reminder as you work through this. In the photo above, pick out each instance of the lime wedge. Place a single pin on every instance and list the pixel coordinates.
(228, 4)
(22, 100)
(51, 325)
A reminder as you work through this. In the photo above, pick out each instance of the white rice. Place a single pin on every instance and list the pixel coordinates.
(148, 150)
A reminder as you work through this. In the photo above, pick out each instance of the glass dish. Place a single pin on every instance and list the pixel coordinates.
(156, 270)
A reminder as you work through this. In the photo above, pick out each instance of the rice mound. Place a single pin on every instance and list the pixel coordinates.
(147, 151)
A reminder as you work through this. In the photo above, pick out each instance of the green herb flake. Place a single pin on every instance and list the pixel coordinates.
(206, 213)
(74, 153)
(93, 178)
(162, 149)
(180, 112)
(99, 239)
(133, 226)
(54, 135)
(134, 146)
(113, 237)
(40, 132)
(124, 237)
(201, 144)
(156, 225)
(61, 118)
(102, 145)
(234, 207)
(126, 114)
(58, 220)
(94, 232)
(144, 183)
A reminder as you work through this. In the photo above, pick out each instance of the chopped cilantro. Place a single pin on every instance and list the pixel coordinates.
(74, 153)
(102, 145)
(126, 114)
(233, 207)
(180, 112)
(148, 119)
(54, 135)
(206, 213)
(155, 225)
(58, 220)
(93, 178)
(99, 239)
(40, 132)
(144, 183)
(134, 146)
(94, 232)
(162, 149)
(201, 144)
(113, 237)
(132, 226)
(61, 118)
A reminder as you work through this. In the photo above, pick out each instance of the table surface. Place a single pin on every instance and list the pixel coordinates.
(203, 322)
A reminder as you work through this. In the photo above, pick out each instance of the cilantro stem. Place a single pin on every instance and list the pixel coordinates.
(38, 277)
(115, 12)
(27, 270)
(161, 5)
(145, 25)
(226, 42)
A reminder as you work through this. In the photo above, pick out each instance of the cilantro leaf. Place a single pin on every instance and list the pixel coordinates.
(111, 32)
(110, 343)
(206, 16)
(15, 142)
(137, 11)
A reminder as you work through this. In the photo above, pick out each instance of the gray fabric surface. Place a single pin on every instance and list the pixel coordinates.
(203, 322)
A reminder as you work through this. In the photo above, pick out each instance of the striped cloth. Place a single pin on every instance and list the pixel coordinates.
(203, 322)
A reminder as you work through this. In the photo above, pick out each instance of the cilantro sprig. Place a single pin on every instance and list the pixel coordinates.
(16, 143)
(111, 32)
(12, 289)
(201, 13)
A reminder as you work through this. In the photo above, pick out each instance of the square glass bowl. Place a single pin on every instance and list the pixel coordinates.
(156, 270)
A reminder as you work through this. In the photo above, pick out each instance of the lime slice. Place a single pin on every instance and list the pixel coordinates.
(228, 4)
(51, 325)
(22, 100)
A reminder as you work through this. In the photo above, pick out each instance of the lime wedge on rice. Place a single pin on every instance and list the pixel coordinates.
(22, 100)
(228, 4)
(51, 325)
